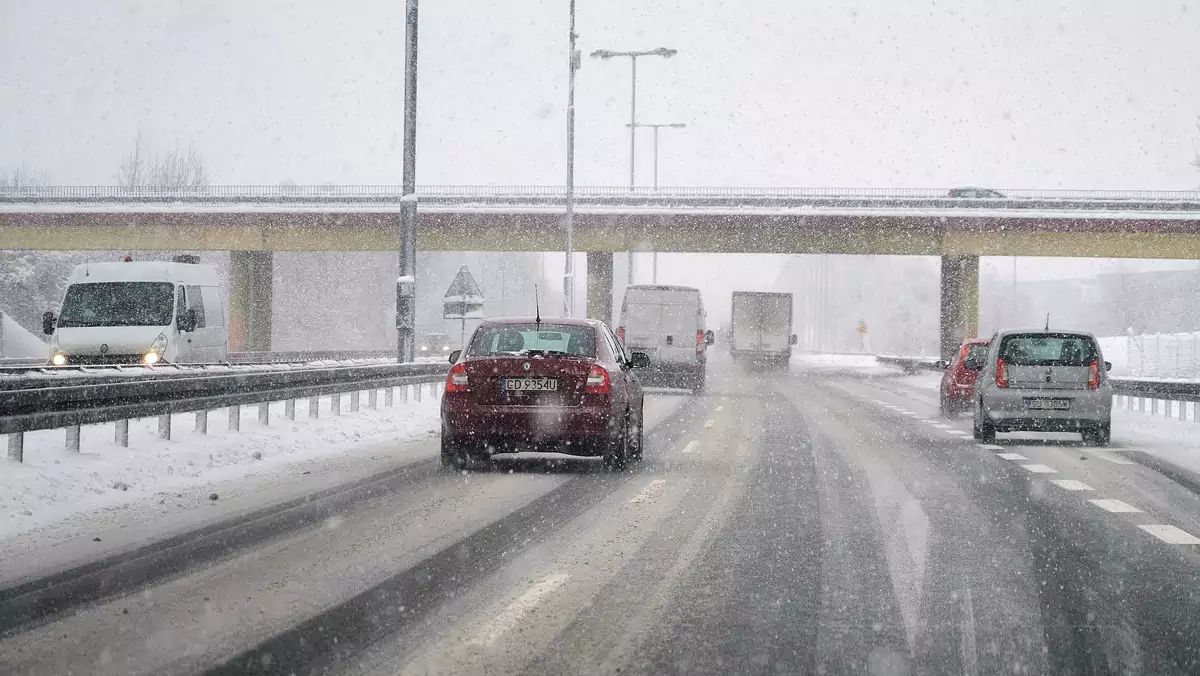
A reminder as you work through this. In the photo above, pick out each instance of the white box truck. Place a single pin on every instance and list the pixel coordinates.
(140, 312)
(762, 328)
(667, 324)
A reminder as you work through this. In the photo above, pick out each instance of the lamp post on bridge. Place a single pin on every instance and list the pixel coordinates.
(656, 127)
(605, 54)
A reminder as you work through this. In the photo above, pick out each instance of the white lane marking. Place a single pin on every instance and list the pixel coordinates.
(1171, 534)
(1071, 485)
(1040, 469)
(692, 445)
(1115, 506)
(650, 489)
(991, 447)
(941, 426)
(511, 617)
(719, 407)
(708, 423)
(1011, 456)
(1111, 457)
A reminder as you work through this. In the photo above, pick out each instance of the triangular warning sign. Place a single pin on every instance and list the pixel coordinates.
(463, 300)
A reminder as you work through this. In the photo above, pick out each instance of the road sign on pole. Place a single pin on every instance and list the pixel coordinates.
(463, 301)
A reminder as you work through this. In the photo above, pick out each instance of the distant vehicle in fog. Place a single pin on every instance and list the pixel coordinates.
(667, 324)
(958, 381)
(971, 192)
(434, 344)
(1051, 381)
(140, 312)
(762, 328)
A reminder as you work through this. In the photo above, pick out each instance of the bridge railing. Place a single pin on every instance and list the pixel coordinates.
(389, 193)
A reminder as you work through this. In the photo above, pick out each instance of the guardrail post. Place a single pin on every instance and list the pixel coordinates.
(354, 401)
(417, 392)
(16, 446)
(164, 426)
(201, 422)
(289, 409)
(1183, 411)
(404, 394)
(314, 407)
(121, 433)
(389, 396)
(235, 418)
(264, 413)
(335, 403)
(73, 438)
(373, 398)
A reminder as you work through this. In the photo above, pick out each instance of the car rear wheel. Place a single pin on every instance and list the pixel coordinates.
(617, 455)
(635, 442)
(458, 456)
(944, 408)
(1099, 435)
(987, 430)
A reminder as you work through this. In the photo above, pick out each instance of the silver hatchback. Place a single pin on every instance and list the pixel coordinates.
(1051, 381)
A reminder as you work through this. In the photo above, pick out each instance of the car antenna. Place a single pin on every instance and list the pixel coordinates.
(537, 310)
(1047, 321)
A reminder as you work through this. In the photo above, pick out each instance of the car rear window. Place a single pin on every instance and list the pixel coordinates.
(520, 339)
(1048, 349)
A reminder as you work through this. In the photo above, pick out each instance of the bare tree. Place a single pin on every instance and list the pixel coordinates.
(173, 169)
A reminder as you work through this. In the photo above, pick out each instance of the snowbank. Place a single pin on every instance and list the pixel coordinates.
(16, 342)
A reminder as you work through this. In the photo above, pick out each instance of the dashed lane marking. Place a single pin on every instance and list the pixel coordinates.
(708, 423)
(1115, 506)
(648, 492)
(719, 407)
(1171, 534)
(1111, 457)
(991, 447)
(1040, 469)
(1011, 456)
(511, 617)
(1071, 485)
(692, 445)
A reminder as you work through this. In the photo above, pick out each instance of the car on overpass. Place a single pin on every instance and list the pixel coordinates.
(972, 192)
(564, 385)
(1045, 381)
(958, 382)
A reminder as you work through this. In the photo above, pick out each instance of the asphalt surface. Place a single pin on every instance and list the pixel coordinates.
(815, 522)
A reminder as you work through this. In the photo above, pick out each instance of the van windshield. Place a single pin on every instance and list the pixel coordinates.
(118, 304)
(1048, 350)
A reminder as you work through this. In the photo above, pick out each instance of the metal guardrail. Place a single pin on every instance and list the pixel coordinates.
(52, 403)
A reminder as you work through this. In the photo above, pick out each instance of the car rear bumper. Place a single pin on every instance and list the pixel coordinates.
(1088, 408)
(532, 424)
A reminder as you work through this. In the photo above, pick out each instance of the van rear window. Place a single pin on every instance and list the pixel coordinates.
(1048, 349)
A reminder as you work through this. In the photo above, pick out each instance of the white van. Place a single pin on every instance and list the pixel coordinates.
(140, 313)
(667, 323)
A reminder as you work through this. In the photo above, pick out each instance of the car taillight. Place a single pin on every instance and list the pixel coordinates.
(1094, 378)
(621, 334)
(456, 380)
(598, 382)
(699, 342)
(1001, 374)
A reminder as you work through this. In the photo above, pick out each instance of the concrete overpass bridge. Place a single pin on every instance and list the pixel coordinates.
(253, 221)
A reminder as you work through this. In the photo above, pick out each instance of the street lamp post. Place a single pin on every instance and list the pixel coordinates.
(656, 127)
(606, 54)
(406, 283)
(569, 272)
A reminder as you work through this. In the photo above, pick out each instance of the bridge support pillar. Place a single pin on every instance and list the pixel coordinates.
(251, 295)
(960, 302)
(600, 286)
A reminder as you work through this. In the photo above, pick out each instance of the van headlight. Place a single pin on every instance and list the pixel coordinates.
(157, 348)
(57, 358)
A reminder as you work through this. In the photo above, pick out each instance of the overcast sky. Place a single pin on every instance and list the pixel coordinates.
(892, 93)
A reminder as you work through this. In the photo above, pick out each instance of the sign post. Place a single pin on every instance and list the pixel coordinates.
(463, 301)
(862, 336)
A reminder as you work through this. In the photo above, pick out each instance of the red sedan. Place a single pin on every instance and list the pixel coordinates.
(557, 385)
(958, 382)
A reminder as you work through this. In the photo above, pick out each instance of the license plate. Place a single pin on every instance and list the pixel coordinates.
(1048, 404)
(528, 384)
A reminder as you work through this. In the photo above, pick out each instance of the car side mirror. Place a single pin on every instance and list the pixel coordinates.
(1108, 366)
(709, 337)
(49, 322)
(639, 360)
(941, 364)
(454, 356)
(973, 365)
(793, 340)
(186, 322)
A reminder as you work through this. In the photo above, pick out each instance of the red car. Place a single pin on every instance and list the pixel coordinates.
(958, 382)
(557, 385)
